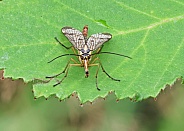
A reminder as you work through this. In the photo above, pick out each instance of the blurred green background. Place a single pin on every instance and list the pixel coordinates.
(19, 111)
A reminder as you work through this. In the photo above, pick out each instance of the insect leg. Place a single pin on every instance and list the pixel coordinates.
(64, 71)
(62, 44)
(59, 82)
(108, 74)
(74, 51)
(59, 73)
(96, 76)
(66, 46)
(97, 52)
(97, 59)
(99, 49)
(71, 59)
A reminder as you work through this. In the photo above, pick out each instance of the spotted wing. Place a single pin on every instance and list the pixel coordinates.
(74, 36)
(96, 40)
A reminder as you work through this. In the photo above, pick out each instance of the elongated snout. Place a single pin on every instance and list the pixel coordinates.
(86, 68)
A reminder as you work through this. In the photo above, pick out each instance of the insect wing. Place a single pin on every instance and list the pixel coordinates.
(74, 36)
(96, 40)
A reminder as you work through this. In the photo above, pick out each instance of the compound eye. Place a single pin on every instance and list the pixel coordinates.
(89, 57)
(82, 50)
(88, 50)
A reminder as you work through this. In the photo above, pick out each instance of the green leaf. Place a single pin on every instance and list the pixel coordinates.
(151, 32)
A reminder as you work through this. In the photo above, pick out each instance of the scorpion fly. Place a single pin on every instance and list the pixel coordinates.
(85, 47)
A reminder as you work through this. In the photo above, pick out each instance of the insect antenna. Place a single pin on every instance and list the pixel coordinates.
(62, 56)
(112, 54)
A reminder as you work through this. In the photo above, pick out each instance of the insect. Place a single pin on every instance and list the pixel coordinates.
(85, 47)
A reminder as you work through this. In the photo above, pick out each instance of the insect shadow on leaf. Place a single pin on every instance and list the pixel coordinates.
(85, 47)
